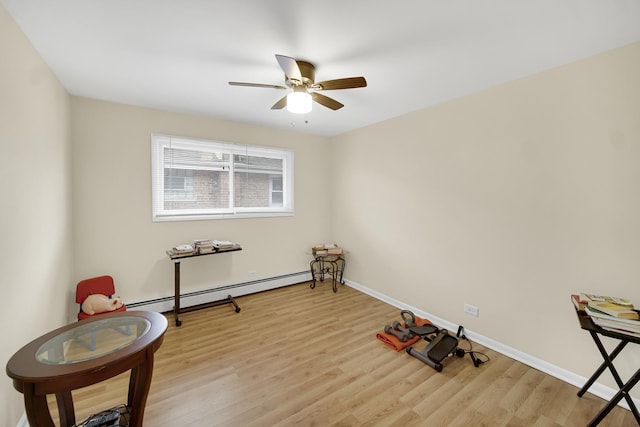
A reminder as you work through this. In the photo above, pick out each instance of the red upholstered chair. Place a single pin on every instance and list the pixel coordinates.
(96, 285)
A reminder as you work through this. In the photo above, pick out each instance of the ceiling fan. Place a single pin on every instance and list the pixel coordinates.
(300, 77)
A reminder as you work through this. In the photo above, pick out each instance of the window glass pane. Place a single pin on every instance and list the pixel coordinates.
(201, 189)
(276, 183)
(252, 180)
(276, 199)
(277, 194)
(196, 179)
(178, 184)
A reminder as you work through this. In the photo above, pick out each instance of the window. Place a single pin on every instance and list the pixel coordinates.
(276, 190)
(197, 179)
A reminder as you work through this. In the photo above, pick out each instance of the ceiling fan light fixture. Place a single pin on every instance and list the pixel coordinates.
(299, 102)
(299, 77)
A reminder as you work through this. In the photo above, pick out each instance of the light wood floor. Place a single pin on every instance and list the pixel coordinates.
(297, 356)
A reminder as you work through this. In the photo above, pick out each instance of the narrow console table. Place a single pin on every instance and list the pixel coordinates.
(594, 330)
(177, 257)
(58, 362)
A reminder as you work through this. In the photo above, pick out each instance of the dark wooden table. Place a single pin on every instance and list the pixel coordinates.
(177, 258)
(587, 324)
(61, 361)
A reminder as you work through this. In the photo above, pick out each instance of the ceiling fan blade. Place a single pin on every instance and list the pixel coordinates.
(346, 83)
(280, 104)
(326, 101)
(290, 68)
(257, 85)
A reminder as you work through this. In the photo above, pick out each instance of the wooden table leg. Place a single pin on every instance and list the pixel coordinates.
(139, 385)
(65, 408)
(36, 407)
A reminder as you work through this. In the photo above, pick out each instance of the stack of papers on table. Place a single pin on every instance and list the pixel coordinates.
(223, 244)
(204, 246)
(328, 249)
(180, 250)
(609, 315)
(614, 324)
(183, 249)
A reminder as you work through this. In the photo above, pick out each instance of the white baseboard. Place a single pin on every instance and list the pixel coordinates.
(597, 389)
(188, 299)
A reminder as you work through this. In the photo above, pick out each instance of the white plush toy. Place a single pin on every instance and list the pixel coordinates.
(98, 303)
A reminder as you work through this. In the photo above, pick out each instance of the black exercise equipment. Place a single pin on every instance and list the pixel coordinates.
(424, 330)
(440, 343)
(441, 346)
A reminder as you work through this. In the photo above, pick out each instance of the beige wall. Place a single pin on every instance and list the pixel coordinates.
(113, 231)
(510, 199)
(35, 208)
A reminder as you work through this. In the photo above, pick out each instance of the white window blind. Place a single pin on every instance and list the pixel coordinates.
(198, 179)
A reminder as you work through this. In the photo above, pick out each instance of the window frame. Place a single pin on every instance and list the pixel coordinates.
(159, 142)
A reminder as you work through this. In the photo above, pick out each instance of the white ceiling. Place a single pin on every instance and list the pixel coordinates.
(178, 55)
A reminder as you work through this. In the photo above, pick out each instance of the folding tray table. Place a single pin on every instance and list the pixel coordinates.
(594, 330)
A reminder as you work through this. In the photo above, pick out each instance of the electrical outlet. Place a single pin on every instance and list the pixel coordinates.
(471, 309)
(252, 273)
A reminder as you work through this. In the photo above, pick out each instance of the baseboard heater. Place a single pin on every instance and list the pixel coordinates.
(188, 299)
